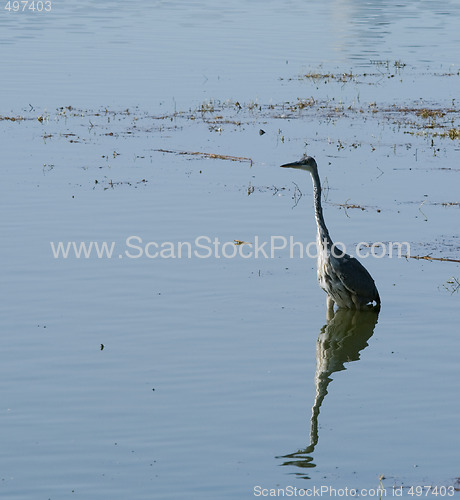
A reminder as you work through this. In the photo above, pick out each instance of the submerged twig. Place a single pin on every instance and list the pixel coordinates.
(297, 195)
(421, 211)
(454, 285)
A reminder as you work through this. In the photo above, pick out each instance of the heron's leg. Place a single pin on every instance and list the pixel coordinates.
(330, 308)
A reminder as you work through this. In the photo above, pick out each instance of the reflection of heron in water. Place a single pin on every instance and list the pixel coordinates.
(340, 341)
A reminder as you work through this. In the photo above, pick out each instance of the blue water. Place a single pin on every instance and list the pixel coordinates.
(179, 54)
(165, 378)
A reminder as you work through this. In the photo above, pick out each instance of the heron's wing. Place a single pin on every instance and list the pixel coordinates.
(354, 276)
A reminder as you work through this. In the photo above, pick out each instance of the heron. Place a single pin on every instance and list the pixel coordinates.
(345, 280)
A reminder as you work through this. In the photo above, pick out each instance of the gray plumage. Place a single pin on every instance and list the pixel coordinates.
(345, 280)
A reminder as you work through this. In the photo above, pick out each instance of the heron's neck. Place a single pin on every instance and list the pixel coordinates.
(323, 233)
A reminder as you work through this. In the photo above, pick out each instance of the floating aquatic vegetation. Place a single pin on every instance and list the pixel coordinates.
(206, 155)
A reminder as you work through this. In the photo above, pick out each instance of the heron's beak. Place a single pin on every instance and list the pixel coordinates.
(294, 164)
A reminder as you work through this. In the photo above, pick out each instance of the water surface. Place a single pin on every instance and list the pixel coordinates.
(211, 369)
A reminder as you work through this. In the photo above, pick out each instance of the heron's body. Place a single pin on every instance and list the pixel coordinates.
(345, 280)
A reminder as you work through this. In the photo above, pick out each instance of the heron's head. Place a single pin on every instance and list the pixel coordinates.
(305, 163)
